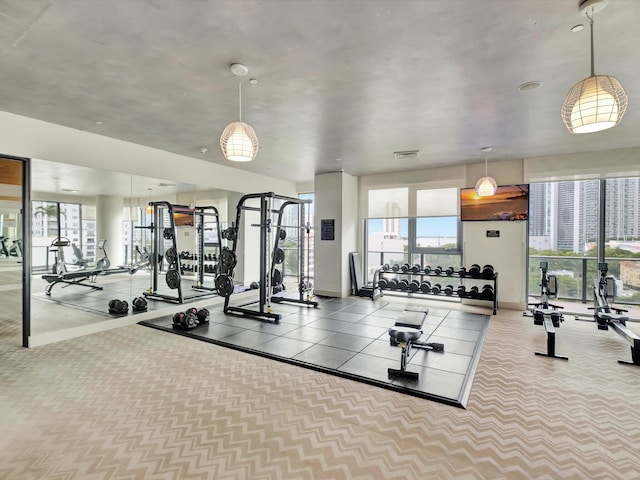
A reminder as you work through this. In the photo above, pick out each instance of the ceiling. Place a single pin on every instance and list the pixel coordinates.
(342, 84)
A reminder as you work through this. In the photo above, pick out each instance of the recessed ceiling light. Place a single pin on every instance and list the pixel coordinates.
(253, 81)
(486, 149)
(99, 123)
(338, 159)
(577, 28)
(69, 190)
(527, 87)
(162, 184)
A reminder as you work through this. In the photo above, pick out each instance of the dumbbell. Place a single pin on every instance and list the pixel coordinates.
(393, 284)
(487, 272)
(474, 270)
(383, 284)
(139, 304)
(386, 267)
(438, 270)
(396, 267)
(405, 268)
(461, 291)
(437, 288)
(448, 290)
(427, 269)
(416, 268)
(118, 307)
(184, 320)
(414, 285)
(203, 315)
(449, 271)
(487, 292)
(403, 284)
(462, 271)
(473, 292)
(425, 287)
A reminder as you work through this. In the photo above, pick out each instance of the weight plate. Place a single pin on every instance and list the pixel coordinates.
(279, 255)
(224, 285)
(172, 255)
(167, 233)
(173, 279)
(276, 278)
(228, 260)
(282, 234)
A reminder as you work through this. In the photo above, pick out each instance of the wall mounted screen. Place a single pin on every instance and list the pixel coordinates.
(510, 203)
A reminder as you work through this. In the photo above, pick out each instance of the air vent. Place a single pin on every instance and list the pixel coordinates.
(406, 154)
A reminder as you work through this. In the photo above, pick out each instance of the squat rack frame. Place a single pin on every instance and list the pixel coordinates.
(158, 228)
(267, 265)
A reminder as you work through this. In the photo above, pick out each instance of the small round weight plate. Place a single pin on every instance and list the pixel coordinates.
(173, 278)
(172, 255)
(167, 233)
(227, 260)
(224, 285)
(278, 255)
(282, 234)
(276, 278)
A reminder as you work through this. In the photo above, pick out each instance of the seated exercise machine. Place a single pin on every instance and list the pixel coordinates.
(4, 250)
(606, 315)
(73, 277)
(546, 313)
(406, 333)
(103, 263)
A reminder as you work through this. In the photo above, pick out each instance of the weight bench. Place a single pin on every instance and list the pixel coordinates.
(72, 278)
(407, 332)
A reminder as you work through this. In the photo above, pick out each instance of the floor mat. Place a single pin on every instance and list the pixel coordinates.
(349, 337)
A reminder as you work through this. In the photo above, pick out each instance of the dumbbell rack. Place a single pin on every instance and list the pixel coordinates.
(422, 275)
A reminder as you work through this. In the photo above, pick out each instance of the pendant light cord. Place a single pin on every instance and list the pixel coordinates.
(590, 17)
(486, 174)
(240, 99)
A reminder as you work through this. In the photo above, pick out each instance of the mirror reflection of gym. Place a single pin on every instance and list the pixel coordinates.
(11, 245)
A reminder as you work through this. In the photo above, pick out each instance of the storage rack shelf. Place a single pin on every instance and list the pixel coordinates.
(456, 277)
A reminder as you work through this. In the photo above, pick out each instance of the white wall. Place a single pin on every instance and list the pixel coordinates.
(109, 213)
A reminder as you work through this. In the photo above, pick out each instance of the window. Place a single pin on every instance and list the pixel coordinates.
(572, 225)
(431, 238)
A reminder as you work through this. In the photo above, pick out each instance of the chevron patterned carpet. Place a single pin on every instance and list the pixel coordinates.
(135, 403)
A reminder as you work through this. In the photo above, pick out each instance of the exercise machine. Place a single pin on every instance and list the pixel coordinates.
(607, 316)
(69, 277)
(271, 208)
(406, 333)
(4, 250)
(102, 263)
(166, 223)
(546, 313)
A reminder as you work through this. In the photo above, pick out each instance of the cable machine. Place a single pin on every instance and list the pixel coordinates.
(271, 255)
(167, 219)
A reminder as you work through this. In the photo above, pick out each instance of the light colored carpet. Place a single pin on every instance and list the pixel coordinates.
(134, 403)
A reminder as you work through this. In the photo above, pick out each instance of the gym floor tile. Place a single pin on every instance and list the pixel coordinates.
(308, 334)
(347, 317)
(368, 331)
(284, 347)
(457, 333)
(241, 322)
(329, 324)
(274, 328)
(383, 348)
(298, 319)
(462, 347)
(465, 323)
(249, 338)
(346, 342)
(370, 366)
(376, 321)
(433, 381)
(217, 331)
(324, 356)
(362, 309)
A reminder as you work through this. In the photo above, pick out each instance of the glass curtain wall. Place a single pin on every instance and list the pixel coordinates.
(568, 230)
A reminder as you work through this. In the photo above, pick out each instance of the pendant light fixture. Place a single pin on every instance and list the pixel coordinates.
(599, 101)
(238, 141)
(486, 186)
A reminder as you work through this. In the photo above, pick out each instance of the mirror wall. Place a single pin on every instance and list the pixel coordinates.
(11, 266)
(92, 243)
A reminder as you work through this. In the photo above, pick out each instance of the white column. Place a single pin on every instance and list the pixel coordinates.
(109, 216)
(336, 198)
